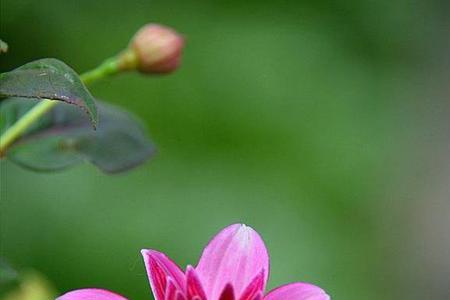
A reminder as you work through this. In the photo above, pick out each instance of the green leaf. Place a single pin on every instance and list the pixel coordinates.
(48, 78)
(64, 137)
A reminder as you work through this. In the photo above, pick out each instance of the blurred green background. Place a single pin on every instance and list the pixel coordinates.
(322, 124)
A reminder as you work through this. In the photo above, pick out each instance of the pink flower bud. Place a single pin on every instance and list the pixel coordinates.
(157, 49)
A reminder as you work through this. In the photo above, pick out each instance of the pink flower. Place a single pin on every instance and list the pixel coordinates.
(233, 266)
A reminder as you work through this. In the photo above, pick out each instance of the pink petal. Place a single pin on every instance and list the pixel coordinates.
(194, 287)
(255, 288)
(235, 256)
(91, 294)
(258, 297)
(172, 293)
(161, 270)
(297, 291)
(180, 296)
(171, 290)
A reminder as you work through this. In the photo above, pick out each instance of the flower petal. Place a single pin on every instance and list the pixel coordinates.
(194, 288)
(180, 296)
(258, 297)
(297, 291)
(171, 290)
(91, 294)
(234, 256)
(172, 293)
(255, 288)
(159, 270)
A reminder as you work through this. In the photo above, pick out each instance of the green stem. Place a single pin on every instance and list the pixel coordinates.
(107, 68)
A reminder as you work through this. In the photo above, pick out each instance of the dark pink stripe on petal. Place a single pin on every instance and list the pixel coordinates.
(258, 296)
(159, 269)
(180, 296)
(297, 291)
(171, 290)
(158, 279)
(227, 293)
(255, 287)
(194, 289)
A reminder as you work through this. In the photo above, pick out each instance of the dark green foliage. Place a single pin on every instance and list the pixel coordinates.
(48, 78)
(64, 137)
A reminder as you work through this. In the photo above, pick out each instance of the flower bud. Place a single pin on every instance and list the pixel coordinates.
(154, 49)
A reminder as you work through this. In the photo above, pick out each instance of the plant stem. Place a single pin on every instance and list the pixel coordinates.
(107, 68)
(13, 132)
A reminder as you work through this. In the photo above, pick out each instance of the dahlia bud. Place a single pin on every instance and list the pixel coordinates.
(154, 49)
